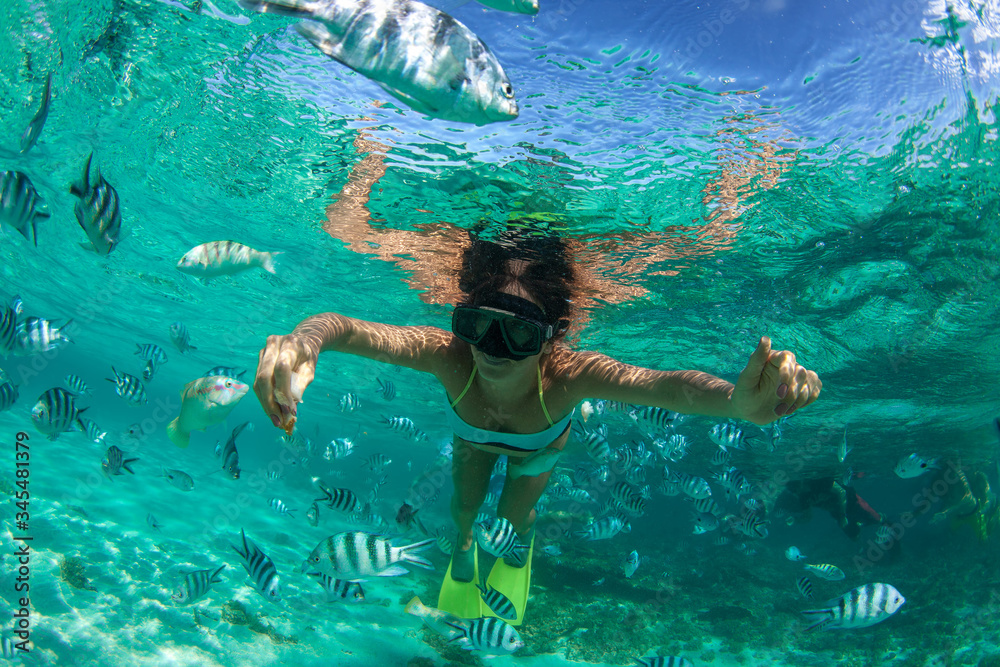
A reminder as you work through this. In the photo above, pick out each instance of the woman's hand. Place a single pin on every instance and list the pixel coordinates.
(773, 385)
(285, 367)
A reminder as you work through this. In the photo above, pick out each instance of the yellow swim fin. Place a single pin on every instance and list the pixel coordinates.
(459, 597)
(514, 582)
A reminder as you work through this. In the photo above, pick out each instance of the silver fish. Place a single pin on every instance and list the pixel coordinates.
(179, 478)
(228, 454)
(418, 54)
(496, 536)
(149, 371)
(605, 528)
(114, 462)
(34, 129)
(499, 603)
(9, 315)
(152, 522)
(56, 412)
(36, 335)
(225, 371)
(151, 352)
(20, 205)
(76, 385)
(223, 258)
(339, 589)
(280, 507)
(93, 430)
(859, 608)
(196, 585)
(490, 635)
(313, 515)
(631, 563)
(8, 394)
(98, 211)
(387, 390)
(355, 555)
(129, 387)
(180, 337)
(405, 425)
(260, 568)
(349, 402)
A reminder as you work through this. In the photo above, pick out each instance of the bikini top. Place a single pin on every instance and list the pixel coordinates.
(513, 442)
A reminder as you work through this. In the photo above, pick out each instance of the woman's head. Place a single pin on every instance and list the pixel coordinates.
(524, 263)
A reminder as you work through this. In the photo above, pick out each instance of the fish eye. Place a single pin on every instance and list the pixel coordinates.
(229, 383)
(508, 90)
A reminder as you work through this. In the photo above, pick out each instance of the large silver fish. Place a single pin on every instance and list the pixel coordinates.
(19, 204)
(97, 211)
(34, 129)
(419, 54)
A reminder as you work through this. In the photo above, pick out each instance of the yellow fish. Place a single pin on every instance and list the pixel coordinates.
(205, 402)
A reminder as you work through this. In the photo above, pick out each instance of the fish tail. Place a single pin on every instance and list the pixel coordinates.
(826, 618)
(215, 575)
(267, 261)
(177, 436)
(409, 556)
(128, 462)
(79, 189)
(415, 607)
(279, 7)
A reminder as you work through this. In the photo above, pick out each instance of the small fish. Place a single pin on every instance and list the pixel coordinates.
(114, 462)
(793, 554)
(842, 450)
(884, 535)
(350, 402)
(152, 522)
(915, 465)
(406, 426)
(826, 571)
(339, 589)
(356, 554)
(496, 536)
(676, 447)
(805, 587)
(76, 385)
(663, 660)
(228, 454)
(552, 550)
(178, 478)
(597, 582)
(377, 462)
(848, 476)
(97, 211)
(535, 464)
(278, 506)
(312, 515)
(418, 54)
(149, 371)
(859, 608)
(56, 412)
(151, 352)
(34, 129)
(342, 500)
(631, 563)
(36, 335)
(204, 402)
(604, 529)
(490, 635)
(730, 436)
(721, 541)
(387, 390)
(705, 522)
(696, 487)
(659, 418)
(180, 337)
(260, 568)
(8, 322)
(442, 622)
(595, 441)
(224, 258)
(129, 387)
(8, 394)
(20, 205)
(499, 603)
(135, 431)
(226, 371)
(196, 585)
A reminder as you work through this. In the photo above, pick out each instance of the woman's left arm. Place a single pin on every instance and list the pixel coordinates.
(772, 385)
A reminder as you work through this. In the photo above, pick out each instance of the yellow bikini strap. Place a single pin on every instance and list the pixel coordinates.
(467, 385)
(541, 399)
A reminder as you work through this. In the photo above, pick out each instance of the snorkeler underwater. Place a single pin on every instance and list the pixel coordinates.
(464, 332)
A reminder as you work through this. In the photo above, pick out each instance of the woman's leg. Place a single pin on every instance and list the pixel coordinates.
(471, 469)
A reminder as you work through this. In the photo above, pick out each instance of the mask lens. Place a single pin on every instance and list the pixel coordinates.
(471, 324)
(522, 336)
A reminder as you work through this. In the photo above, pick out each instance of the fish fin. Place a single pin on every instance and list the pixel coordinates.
(281, 7)
(269, 263)
(80, 188)
(128, 462)
(214, 578)
(414, 606)
(89, 247)
(177, 436)
(409, 556)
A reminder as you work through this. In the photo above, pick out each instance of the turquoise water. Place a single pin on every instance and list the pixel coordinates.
(825, 176)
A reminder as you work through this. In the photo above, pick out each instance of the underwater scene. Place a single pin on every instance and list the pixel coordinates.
(750, 250)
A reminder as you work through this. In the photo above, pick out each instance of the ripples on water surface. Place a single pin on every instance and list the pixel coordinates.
(824, 175)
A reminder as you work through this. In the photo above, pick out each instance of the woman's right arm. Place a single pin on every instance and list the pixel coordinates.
(287, 364)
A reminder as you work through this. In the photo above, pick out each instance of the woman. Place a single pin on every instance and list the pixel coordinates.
(512, 388)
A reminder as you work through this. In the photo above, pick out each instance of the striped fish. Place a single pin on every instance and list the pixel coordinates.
(418, 54)
(8, 325)
(9, 650)
(56, 412)
(349, 402)
(228, 454)
(278, 506)
(604, 528)
(180, 337)
(826, 571)
(730, 436)
(34, 129)
(733, 481)
(488, 634)
(497, 537)
(498, 602)
(696, 487)
(225, 371)
(860, 608)
(805, 587)
(721, 541)
(356, 554)
(750, 525)
(704, 522)
(676, 447)
(8, 394)
(97, 211)
(196, 585)
(377, 462)
(149, 371)
(595, 441)
(706, 505)
(76, 385)
(38, 335)
(387, 390)
(114, 462)
(342, 500)
(94, 431)
(224, 258)
(339, 589)
(260, 568)
(151, 352)
(659, 418)
(129, 387)
(664, 661)
(721, 457)
(405, 426)
(20, 205)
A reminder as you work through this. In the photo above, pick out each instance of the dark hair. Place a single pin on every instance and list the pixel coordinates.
(547, 275)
